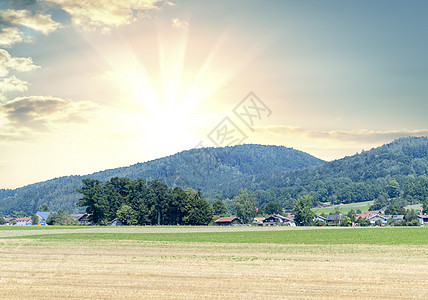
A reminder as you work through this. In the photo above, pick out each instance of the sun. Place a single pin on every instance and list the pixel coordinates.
(162, 105)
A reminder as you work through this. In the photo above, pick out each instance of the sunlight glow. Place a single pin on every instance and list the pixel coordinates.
(164, 84)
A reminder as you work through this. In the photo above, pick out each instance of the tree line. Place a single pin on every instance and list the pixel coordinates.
(142, 202)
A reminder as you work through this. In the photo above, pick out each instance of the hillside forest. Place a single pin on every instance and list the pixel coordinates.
(395, 175)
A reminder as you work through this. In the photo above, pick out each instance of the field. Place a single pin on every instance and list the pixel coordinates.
(213, 263)
(414, 206)
(344, 208)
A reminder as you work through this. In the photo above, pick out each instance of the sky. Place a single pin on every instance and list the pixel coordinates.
(91, 85)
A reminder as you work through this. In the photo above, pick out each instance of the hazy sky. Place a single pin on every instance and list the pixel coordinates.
(90, 85)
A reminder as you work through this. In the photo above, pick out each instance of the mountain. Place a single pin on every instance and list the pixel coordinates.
(395, 170)
(213, 170)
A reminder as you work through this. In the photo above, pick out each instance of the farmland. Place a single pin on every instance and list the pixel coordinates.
(214, 263)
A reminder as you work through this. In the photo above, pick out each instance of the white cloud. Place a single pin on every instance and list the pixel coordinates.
(103, 15)
(12, 84)
(179, 24)
(10, 36)
(38, 22)
(21, 64)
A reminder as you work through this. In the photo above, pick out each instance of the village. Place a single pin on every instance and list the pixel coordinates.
(365, 218)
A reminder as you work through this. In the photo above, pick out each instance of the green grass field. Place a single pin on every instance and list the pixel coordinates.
(344, 208)
(307, 236)
(414, 206)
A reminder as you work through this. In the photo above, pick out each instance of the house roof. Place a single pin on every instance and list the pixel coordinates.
(23, 219)
(287, 219)
(321, 217)
(366, 214)
(377, 215)
(278, 216)
(76, 216)
(259, 218)
(334, 217)
(44, 214)
(395, 217)
(226, 219)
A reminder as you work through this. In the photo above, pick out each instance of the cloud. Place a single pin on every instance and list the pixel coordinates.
(39, 113)
(358, 136)
(12, 84)
(38, 22)
(21, 64)
(9, 63)
(20, 4)
(179, 24)
(10, 36)
(103, 15)
(12, 19)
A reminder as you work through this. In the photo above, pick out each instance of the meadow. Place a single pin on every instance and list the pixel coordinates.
(213, 263)
(344, 208)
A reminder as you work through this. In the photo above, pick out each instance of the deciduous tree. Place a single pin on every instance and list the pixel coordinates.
(303, 214)
(245, 206)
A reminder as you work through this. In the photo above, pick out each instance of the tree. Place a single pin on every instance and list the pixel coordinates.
(303, 214)
(411, 218)
(140, 199)
(346, 221)
(44, 207)
(34, 219)
(127, 215)
(425, 206)
(351, 215)
(2, 220)
(198, 210)
(58, 218)
(318, 223)
(273, 208)
(19, 214)
(393, 189)
(162, 197)
(219, 209)
(95, 200)
(245, 206)
(363, 222)
(116, 191)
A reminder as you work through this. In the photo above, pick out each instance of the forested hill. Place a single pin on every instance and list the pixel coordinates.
(213, 170)
(397, 171)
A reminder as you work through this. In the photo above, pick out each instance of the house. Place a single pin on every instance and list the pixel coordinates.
(115, 222)
(9, 221)
(396, 218)
(81, 218)
(23, 221)
(367, 214)
(320, 218)
(258, 220)
(43, 216)
(278, 219)
(76, 217)
(423, 219)
(334, 220)
(377, 217)
(228, 221)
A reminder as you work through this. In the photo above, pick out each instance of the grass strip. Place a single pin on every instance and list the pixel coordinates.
(368, 236)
